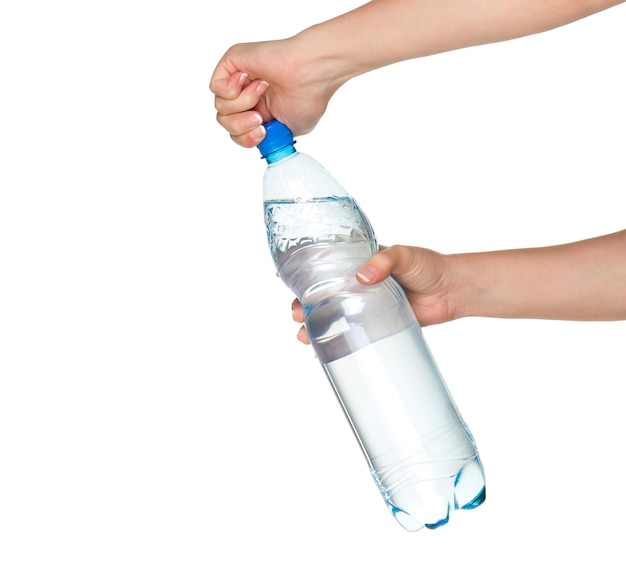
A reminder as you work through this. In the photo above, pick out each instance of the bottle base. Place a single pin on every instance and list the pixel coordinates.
(428, 503)
(411, 524)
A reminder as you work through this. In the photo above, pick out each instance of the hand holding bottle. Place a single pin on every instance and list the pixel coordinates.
(583, 280)
(422, 273)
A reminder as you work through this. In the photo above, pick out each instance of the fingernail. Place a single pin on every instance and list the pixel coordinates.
(258, 134)
(254, 120)
(366, 273)
(262, 87)
(243, 77)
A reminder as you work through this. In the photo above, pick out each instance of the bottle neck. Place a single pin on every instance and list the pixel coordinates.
(280, 154)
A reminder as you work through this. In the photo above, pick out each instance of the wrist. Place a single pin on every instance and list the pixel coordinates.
(326, 58)
(468, 286)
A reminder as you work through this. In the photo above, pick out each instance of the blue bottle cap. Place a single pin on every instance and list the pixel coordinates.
(278, 138)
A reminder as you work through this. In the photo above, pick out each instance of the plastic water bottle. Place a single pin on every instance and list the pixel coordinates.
(420, 452)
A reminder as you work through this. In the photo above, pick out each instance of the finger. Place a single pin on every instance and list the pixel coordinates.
(244, 116)
(376, 269)
(228, 85)
(239, 96)
(296, 311)
(396, 260)
(302, 336)
(246, 129)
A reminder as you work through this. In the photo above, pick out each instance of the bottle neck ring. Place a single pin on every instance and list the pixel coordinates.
(279, 154)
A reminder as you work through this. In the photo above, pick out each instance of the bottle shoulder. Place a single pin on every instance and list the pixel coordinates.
(299, 177)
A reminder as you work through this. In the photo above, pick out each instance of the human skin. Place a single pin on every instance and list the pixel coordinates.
(583, 280)
(293, 79)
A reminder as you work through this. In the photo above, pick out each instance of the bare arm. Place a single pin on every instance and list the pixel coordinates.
(584, 280)
(293, 79)
(383, 32)
(579, 281)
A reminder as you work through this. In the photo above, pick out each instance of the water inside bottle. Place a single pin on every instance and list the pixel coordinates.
(335, 220)
(421, 454)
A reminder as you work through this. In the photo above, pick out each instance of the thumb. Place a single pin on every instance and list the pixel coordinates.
(396, 260)
(376, 269)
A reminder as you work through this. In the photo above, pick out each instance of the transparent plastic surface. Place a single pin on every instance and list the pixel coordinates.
(420, 452)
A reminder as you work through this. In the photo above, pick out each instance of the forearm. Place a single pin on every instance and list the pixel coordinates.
(383, 32)
(585, 280)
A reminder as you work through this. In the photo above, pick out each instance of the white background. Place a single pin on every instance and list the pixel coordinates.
(156, 410)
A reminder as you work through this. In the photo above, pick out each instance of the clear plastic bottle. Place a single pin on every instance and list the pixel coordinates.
(420, 452)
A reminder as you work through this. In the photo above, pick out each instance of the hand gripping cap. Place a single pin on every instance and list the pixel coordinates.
(278, 141)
